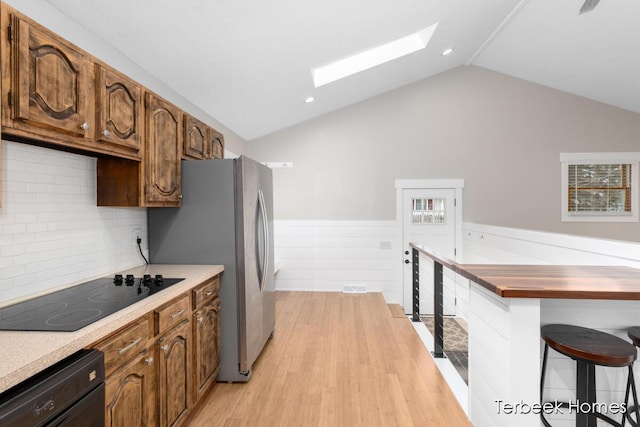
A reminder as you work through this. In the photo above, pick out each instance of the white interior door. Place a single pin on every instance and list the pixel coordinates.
(429, 218)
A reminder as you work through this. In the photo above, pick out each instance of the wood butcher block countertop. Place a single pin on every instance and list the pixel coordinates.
(556, 281)
(23, 354)
(548, 281)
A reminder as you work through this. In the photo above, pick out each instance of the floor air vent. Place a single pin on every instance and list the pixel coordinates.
(354, 289)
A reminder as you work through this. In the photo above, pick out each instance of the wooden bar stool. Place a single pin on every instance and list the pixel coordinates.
(634, 335)
(589, 348)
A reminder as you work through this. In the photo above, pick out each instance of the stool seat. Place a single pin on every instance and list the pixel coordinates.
(590, 345)
(634, 335)
(590, 348)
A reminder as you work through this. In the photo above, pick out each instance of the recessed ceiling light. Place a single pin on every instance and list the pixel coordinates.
(309, 99)
(372, 57)
(447, 51)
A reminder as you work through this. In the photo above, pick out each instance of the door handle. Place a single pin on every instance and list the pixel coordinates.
(406, 252)
(265, 240)
(177, 313)
(129, 346)
(406, 261)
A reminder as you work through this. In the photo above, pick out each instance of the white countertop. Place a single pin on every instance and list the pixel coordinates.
(23, 354)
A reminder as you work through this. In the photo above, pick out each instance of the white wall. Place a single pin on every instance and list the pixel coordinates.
(51, 232)
(502, 135)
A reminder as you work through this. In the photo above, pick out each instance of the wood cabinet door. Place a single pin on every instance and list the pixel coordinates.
(174, 375)
(217, 145)
(206, 346)
(130, 394)
(163, 152)
(52, 81)
(196, 139)
(118, 111)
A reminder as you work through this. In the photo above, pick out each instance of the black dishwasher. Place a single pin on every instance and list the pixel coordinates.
(69, 393)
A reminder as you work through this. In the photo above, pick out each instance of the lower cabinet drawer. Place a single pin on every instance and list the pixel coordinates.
(124, 344)
(205, 292)
(171, 314)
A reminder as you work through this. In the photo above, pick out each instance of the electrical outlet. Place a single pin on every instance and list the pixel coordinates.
(137, 234)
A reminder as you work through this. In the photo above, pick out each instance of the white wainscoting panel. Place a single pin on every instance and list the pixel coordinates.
(318, 255)
(484, 244)
(503, 358)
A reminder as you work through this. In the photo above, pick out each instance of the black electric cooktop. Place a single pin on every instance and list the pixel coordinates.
(78, 306)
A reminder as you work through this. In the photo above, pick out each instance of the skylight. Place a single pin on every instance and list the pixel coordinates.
(373, 57)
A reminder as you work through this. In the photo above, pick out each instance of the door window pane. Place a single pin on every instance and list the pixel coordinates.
(428, 211)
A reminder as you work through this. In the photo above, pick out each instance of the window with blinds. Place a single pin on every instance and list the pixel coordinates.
(600, 186)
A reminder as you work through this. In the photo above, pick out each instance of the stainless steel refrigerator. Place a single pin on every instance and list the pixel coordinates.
(226, 218)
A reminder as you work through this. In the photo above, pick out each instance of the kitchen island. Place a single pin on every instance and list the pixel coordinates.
(25, 353)
(507, 306)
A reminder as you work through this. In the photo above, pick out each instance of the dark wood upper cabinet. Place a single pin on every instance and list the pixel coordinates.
(162, 152)
(55, 94)
(196, 139)
(201, 141)
(217, 145)
(155, 181)
(118, 111)
(51, 81)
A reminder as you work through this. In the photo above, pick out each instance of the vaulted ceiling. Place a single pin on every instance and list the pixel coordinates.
(248, 63)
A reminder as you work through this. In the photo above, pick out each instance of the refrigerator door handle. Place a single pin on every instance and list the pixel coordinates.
(265, 240)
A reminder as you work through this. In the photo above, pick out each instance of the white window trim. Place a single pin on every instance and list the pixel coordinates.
(600, 158)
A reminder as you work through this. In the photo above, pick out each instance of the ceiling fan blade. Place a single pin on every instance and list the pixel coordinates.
(588, 5)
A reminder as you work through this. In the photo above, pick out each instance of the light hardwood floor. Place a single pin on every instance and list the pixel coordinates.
(337, 360)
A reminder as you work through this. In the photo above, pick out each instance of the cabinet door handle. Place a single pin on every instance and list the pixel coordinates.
(209, 293)
(177, 314)
(148, 360)
(165, 348)
(106, 133)
(129, 346)
(84, 126)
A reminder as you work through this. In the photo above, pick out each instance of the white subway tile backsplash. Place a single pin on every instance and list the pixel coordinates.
(36, 227)
(9, 228)
(51, 232)
(12, 271)
(12, 251)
